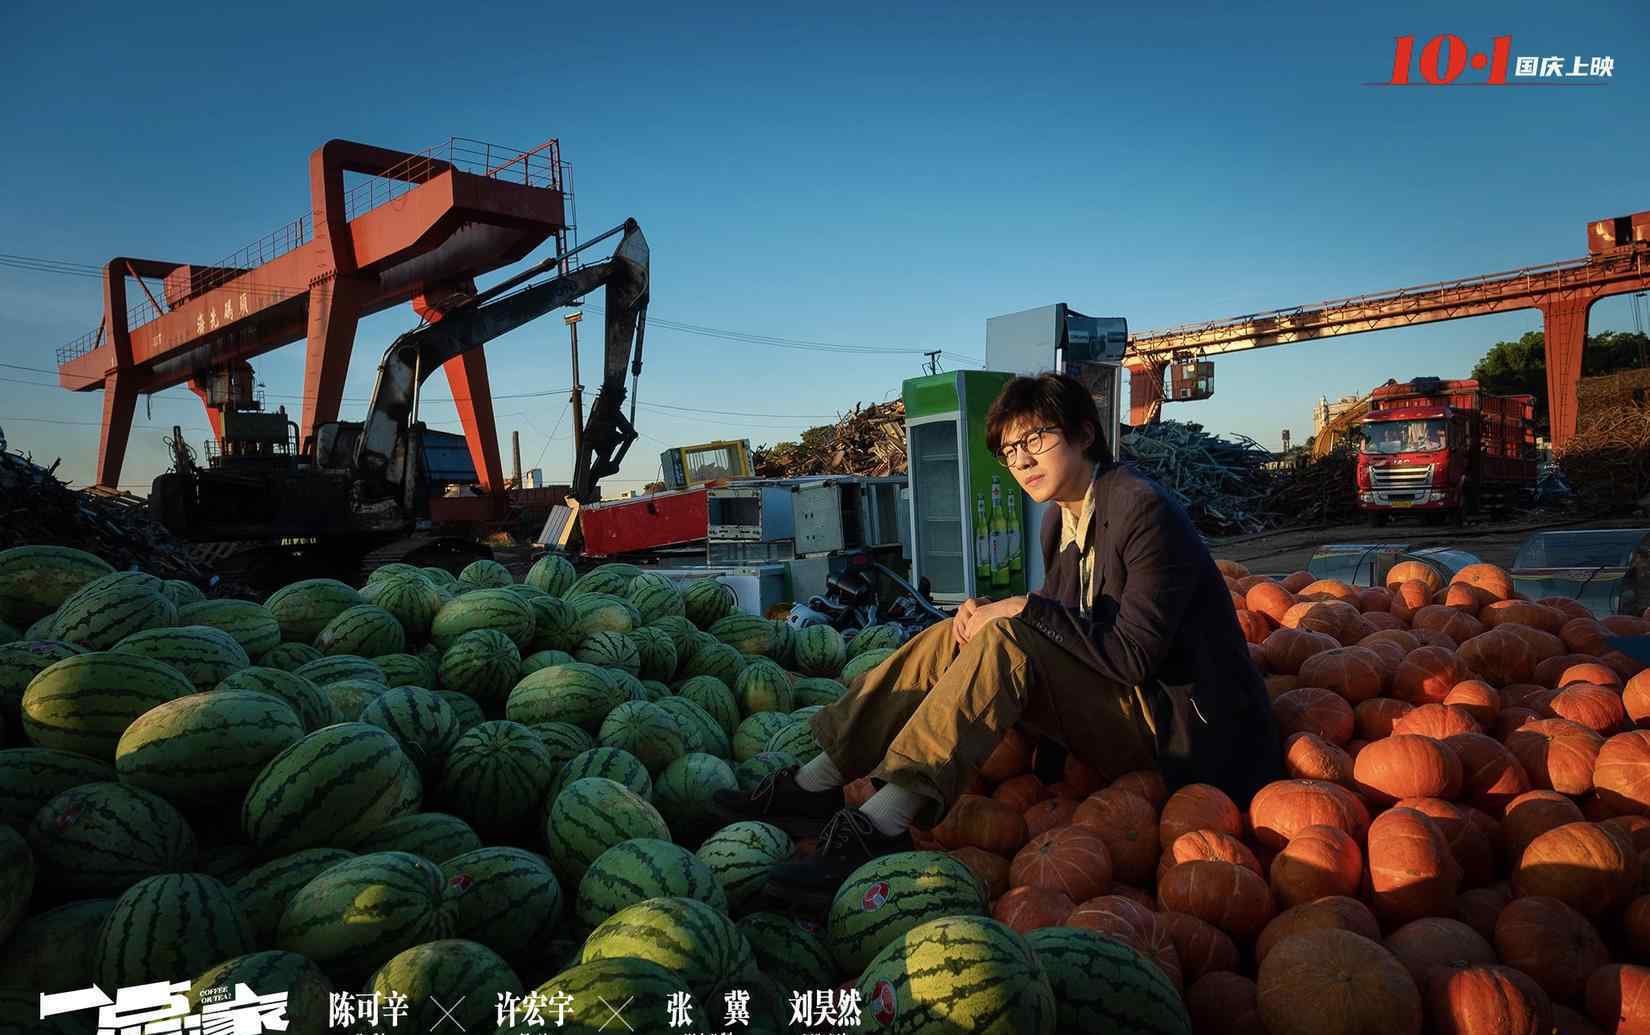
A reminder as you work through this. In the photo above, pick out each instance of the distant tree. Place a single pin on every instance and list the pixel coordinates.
(1516, 367)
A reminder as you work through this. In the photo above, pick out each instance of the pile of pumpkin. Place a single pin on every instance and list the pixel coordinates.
(1462, 846)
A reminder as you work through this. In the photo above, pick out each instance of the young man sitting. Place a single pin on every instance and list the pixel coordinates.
(1129, 656)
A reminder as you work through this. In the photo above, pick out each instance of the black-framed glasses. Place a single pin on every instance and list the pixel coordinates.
(1034, 443)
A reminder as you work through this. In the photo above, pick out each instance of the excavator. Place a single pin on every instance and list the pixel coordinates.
(356, 495)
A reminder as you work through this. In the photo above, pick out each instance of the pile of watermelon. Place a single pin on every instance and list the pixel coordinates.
(463, 787)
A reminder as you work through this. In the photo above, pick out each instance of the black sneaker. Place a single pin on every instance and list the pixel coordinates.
(847, 842)
(778, 800)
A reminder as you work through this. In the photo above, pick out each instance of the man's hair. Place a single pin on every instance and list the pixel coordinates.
(1048, 400)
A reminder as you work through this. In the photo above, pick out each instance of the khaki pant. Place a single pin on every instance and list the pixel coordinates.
(931, 714)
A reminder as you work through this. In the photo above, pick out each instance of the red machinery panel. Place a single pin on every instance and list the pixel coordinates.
(614, 527)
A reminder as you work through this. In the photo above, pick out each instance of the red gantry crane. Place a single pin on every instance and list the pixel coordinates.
(1617, 263)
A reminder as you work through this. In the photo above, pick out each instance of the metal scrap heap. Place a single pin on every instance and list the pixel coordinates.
(1221, 482)
(1607, 461)
(868, 440)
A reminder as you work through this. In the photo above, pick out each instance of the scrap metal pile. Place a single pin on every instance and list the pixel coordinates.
(36, 509)
(869, 440)
(1607, 462)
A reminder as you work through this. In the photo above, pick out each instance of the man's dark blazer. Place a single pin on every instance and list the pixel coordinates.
(1161, 618)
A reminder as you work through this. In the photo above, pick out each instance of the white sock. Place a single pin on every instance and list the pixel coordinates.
(819, 774)
(892, 808)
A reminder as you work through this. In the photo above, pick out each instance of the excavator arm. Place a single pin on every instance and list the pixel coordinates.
(385, 456)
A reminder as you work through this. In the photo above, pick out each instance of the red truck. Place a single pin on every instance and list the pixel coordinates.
(1444, 448)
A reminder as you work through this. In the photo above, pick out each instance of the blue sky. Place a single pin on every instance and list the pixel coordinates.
(871, 176)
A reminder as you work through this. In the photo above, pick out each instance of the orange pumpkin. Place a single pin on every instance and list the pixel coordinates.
(1281, 810)
(1071, 859)
(1049, 814)
(1550, 672)
(1625, 666)
(1485, 997)
(1376, 716)
(1223, 1002)
(1407, 598)
(1128, 824)
(1618, 997)
(1112, 913)
(1437, 721)
(1540, 644)
(1231, 569)
(1550, 942)
(1331, 982)
(1310, 709)
(1208, 844)
(1585, 636)
(1465, 599)
(1308, 756)
(1403, 639)
(1010, 758)
(1625, 625)
(1493, 581)
(1277, 686)
(1532, 814)
(1621, 772)
(1328, 589)
(1635, 697)
(984, 823)
(1198, 806)
(1318, 861)
(1231, 897)
(1453, 622)
(1148, 783)
(1028, 908)
(1020, 792)
(1428, 674)
(1257, 657)
(1382, 621)
(1356, 673)
(1287, 649)
(990, 870)
(1319, 616)
(1490, 775)
(1636, 828)
(1583, 865)
(1478, 908)
(1521, 612)
(1596, 707)
(1529, 695)
(1588, 672)
(1269, 599)
(1202, 947)
(1415, 571)
(1569, 607)
(1557, 754)
(1254, 625)
(1469, 844)
(1480, 700)
(1297, 580)
(1407, 766)
(1338, 912)
(1437, 942)
(1514, 718)
(1635, 922)
(1374, 600)
(1080, 778)
(1499, 656)
(1435, 638)
(1411, 871)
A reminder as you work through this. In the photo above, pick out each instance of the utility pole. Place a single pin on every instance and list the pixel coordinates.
(572, 320)
(933, 364)
(515, 453)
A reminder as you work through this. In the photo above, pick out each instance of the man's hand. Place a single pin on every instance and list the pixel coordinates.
(973, 614)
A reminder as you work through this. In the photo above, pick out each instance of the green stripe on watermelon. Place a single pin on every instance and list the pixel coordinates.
(700, 731)
(484, 609)
(789, 951)
(485, 574)
(508, 899)
(587, 986)
(612, 578)
(609, 763)
(752, 735)
(544, 659)
(166, 926)
(888, 896)
(304, 608)
(565, 741)
(1103, 985)
(264, 892)
(812, 690)
(683, 792)
(31, 776)
(603, 612)
(552, 573)
(350, 696)
(681, 633)
(748, 634)
(364, 630)
(314, 708)
(875, 637)
(555, 624)
(36, 580)
(336, 667)
(646, 731)
(959, 973)
(436, 836)
(206, 655)
(406, 670)
(54, 942)
(308, 990)
(85, 703)
(591, 815)
(97, 619)
(447, 981)
(706, 601)
(759, 767)
(763, 687)
(796, 740)
(862, 664)
(412, 599)
(327, 922)
(577, 693)
(655, 596)
(202, 751)
(820, 651)
(642, 868)
(692, 940)
(483, 663)
(251, 625)
(466, 709)
(656, 652)
(17, 874)
(327, 790)
(424, 723)
(288, 657)
(742, 854)
(496, 777)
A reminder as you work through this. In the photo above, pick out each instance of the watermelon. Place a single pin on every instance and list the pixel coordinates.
(1102, 985)
(36, 580)
(339, 667)
(447, 981)
(544, 659)
(16, 880)
(889, 896)
(182, 593)
(424, 724)
(364, 630)
(578, 693)
(591, 815)
(565, 741)
(30, 777)
(683, 792)
(699, 945)
(655, 653)
(603, 612)
(109, 610)
(820, 651)
(612, 579)
(807, 712)
(166, 925)
(308, 990)
(226, 860)
(85, 703)
(202, 751)
(507, 899)
(350, 696)
(863, 663)
(20, 662)
(816, 690)
(251, 625)
(304, 608)
(610, 763)
(483, 663)
(796, 740)
(526, 592)
(752, 735)
(748, 634)
(496, 778)
(406, 670)
(783, 649)
(485, 574)
(555, 624)
(436, 836)
(356, 915)
(715, 659)
(586, 986)
(466, 710)
(101, 838)
(655, 596)
(626, 686)
(49, 944)
(639, 869)
(551, 573)
(714, 696)
(289, 657)
(264, 891)
(656, 690)
(790, 951)
(742, 854)
(759, 767)
(763, 687)
(328, 790)
(680, 630)
(963, 973)
(646, 731)
(412, 599)
(440, 577)
(393, 570)
(202, 653)
(707, 601)
(875, 637)
(497, 609)
(700, 730)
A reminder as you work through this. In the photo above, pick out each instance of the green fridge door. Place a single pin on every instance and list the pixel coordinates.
(1000, 572)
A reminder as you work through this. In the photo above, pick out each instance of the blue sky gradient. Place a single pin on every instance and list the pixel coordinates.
(873, 176)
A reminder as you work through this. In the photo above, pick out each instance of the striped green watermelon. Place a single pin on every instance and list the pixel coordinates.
(350, 696)
(328, 790)
(526, 592)
(104, 613)
(31, 776)
(182, 593)
(21, 661)
(656, 690)
(603, 612)
(887, 897)
(466, 710)
(700, 730)
(508, 899)
(85, 703)
(497, 609)
(783, 649)
(806, 712)
(228, 861)
(699, 945)
(308, 990)
(206, 655)
(485, 574)
(169, 925)
(610, 650)
(304, 608)
(612, 578)
(252, 626)
(863, 663)
(364, 630)
(393, 570)
(555, 624)
(816, 690)
(683, 791)
(715, 698)
(587, 985)
(960, 973)
(576, 693)
(763, 687)
(355, 916)
(551, 573)
(609, 763)
(406, 670)
(639, 869)
(264, 892)
(483, 663)
(875, 637)
(41, 630)
(424, 724)
(646, 731)
(742, 854)
(748, 634)
(202, 751)
(101, 838)
(440, 577)
(626, 686)
(591, 815)
(412, 599)
(448, 981)
(707, 601)
(565, 741)
(288, 657)
(54, 942)
(496, 778)
(680, 630)
(796, 740)
(16, 880)
(36, 580)
(820, 651)
(339, 667)
(655, 596)
(436, 836)
(655, 652)
(715, 659)
(1102, 985)
(759, 767)
(752, 735)
(788, 950)
(544, 659)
